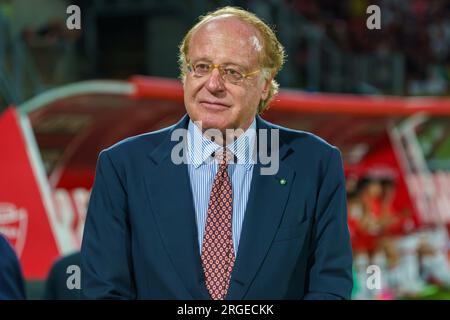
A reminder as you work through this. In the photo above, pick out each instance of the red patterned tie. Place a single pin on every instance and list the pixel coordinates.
(217, 251)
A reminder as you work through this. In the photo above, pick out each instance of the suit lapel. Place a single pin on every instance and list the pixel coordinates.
(267, 201)
(170, 195)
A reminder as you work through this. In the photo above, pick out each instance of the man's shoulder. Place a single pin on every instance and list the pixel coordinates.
(299, 139)
(139, 144)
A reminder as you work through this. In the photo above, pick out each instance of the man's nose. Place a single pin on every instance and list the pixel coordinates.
(215, 81)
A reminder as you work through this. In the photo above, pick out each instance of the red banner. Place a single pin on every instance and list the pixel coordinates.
(23, 209)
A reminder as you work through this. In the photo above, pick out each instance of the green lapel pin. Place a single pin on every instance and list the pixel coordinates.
(283, 182)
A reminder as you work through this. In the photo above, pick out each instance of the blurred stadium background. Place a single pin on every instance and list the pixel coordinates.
(381, 96)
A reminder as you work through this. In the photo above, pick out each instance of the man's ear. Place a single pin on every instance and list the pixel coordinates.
(266, 88)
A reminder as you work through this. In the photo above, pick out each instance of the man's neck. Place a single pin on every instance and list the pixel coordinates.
(224, 137)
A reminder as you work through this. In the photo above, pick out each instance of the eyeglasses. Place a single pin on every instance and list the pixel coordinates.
(228, 73)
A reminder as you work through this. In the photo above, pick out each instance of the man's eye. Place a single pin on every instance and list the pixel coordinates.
(232, 72)
(202, 67)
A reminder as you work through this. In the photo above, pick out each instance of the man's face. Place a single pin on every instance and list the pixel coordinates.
(211, 100)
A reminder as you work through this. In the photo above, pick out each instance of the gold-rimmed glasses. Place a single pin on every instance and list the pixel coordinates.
(228, 73)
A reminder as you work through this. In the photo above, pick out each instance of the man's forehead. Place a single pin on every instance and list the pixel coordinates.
(232, 27)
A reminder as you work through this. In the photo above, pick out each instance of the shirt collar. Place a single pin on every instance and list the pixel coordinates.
(200, 148)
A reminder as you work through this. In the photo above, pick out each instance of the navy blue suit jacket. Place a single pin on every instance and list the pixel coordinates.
(140, 238)
(11, 279)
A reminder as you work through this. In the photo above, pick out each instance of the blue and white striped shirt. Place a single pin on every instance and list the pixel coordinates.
(202, 170)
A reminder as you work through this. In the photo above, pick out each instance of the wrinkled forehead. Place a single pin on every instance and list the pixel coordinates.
(228, 30)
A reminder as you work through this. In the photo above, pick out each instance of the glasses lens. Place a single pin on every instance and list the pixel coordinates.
(232, 75)
(201, 69)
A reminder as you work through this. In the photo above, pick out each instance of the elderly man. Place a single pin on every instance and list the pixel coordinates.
(215, 226)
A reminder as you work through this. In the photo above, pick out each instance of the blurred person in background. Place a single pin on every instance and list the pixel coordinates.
(11, 279)
(56, 285)
(410, 260)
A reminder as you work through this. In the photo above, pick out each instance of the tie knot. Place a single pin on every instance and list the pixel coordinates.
(223, 156)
